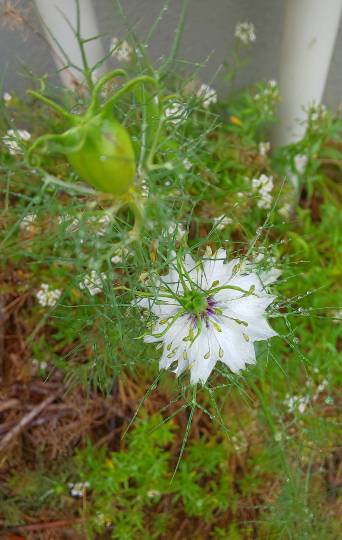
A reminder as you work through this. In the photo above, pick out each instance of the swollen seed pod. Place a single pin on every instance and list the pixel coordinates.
(106, 158)
(97, 146)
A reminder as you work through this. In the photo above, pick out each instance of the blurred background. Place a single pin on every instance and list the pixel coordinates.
(208, 37)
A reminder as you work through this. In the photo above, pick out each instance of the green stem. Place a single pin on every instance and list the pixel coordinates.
(126, 88)
(86, 69)
(99, 85)
(53, 105)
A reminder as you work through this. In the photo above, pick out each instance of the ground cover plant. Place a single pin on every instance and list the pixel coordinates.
(106, 288)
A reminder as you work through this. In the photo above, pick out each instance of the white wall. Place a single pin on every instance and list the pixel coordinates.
(209, 31)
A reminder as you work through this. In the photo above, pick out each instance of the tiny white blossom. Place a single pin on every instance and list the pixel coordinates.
(187, 164)
(222, 221)
(27, 221)
(263, 186)
(264, 148)
(11, 140)
(245, 32)
(7, 97)
(93, 282)
(78, 490)
(48, 297)
(300, 162)
(119, 254)
(176, 112)
(207, 312)
(121, 50)
(207, 95)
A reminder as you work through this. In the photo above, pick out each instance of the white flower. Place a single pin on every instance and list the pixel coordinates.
(11, 140)
(207, 95)
(27, 221)
(300, 162)
(119, 254)
(263, 186)
(93, 282)
(48, 297)
(7, 97)
(78, 489)
(222, 221)
(176, 112)
(121, 50)
(187, 164)
(245, 32)
(264, 148)
(207, 312)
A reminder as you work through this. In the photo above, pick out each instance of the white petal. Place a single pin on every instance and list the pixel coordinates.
(258, 328)
(237, 351)
(269, 276)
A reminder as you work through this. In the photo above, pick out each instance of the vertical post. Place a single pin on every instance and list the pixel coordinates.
(309, 33)
(54, 14)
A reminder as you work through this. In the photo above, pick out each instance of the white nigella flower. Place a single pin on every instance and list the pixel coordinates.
(263, 186)
(176, 112)
(245, 32)
(11, 140)
(48, 297)
(121, 50)
(264, 148)
(93, 282)
(207, 95)
(207, 312)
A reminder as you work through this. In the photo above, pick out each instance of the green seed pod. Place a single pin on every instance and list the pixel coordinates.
(97, 146)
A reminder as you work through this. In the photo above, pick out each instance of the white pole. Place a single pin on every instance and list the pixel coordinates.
(310, 30)
(54, 14)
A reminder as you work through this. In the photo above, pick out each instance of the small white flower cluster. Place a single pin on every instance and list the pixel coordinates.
(121, 50)
(101, 224)
(78, 490)
(300, 403)
(264, 148)
(207, 95)
(176, 112)
(7, 97)
(267, 96)
(294, 403)
(245, 32)
(93, 282)
(11, 140)
(263, 186)
(27, 222)
(315, 113)
(119, 254)
(48, 297)
(187, 164)
(222, 221)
